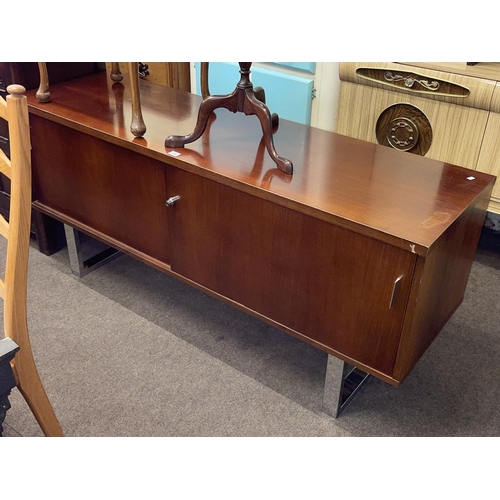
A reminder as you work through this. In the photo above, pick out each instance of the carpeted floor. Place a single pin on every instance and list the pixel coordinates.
(129, 351)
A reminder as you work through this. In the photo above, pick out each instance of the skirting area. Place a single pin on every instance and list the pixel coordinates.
(129, 351)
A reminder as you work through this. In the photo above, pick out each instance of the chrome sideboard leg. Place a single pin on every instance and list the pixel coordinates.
(342, 382)
(79, 265)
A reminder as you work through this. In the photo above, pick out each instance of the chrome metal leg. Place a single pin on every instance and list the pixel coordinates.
(80, 266)
(342, 382)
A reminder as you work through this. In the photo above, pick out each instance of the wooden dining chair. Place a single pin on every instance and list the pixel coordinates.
(13, 289)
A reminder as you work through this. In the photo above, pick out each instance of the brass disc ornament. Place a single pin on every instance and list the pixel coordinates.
(405, 128)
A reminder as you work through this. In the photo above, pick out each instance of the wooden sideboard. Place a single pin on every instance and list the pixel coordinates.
(364, 252)
(453, 108)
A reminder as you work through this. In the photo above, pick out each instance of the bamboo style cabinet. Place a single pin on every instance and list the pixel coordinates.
(364, 252)
(444, 111)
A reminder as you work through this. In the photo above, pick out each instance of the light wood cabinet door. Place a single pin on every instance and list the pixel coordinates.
(457, 131)
(339, 290)
(171, 74)
(489, 159)
(460, 105)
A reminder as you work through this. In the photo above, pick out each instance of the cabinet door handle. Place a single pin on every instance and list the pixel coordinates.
(171, 201)
(395, 291)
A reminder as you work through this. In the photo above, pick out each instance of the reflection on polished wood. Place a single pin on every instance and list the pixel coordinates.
(325, 183)
(137, 126)
(344, 254)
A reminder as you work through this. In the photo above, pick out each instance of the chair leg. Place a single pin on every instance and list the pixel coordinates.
(29, 384)
(43, 92)
(137, 127)
(116, 73)
(31, 387)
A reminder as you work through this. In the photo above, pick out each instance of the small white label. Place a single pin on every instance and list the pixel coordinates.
(470, 178)
(174, 153)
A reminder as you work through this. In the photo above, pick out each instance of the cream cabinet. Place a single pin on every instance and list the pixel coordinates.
(489, 157)
(444, 111)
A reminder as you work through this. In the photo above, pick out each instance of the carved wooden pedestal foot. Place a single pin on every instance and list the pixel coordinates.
(245, 100)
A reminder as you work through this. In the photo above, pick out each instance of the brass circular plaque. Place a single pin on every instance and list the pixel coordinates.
(402, 134)
(405, 128)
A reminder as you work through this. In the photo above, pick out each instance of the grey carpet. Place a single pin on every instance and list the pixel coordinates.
(129, 351)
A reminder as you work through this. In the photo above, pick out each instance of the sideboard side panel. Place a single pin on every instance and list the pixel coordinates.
(439, 285)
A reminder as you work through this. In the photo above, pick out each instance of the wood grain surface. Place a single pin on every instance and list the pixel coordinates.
(13, 290)
(489, 159)
(481, 89)
(485, 70)
(172, 74)
(363, 252)
(313, 277)
(98, 183)
(357, 185)
(457, 131)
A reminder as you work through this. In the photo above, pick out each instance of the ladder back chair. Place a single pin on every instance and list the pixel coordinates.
(13, 290)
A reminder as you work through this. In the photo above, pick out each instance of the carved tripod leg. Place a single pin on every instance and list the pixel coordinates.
(254, 106)
(137, 127)
(205, 92)
(260, 94)
(207, 106)
(43, 93)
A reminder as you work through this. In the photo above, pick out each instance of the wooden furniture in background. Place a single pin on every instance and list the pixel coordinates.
(137, 125)
(175, 75)
(17, 232)
(364, 252)
(445, 111)
(172, 74)
(489, 156)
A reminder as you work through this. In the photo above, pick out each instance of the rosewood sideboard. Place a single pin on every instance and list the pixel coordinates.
(364, 252)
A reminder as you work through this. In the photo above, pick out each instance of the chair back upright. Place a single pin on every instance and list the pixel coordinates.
(13, 289)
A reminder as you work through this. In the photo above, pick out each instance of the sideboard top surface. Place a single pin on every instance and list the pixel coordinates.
(401, 198)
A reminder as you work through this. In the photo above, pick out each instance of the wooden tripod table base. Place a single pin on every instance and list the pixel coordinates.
(242, 99)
